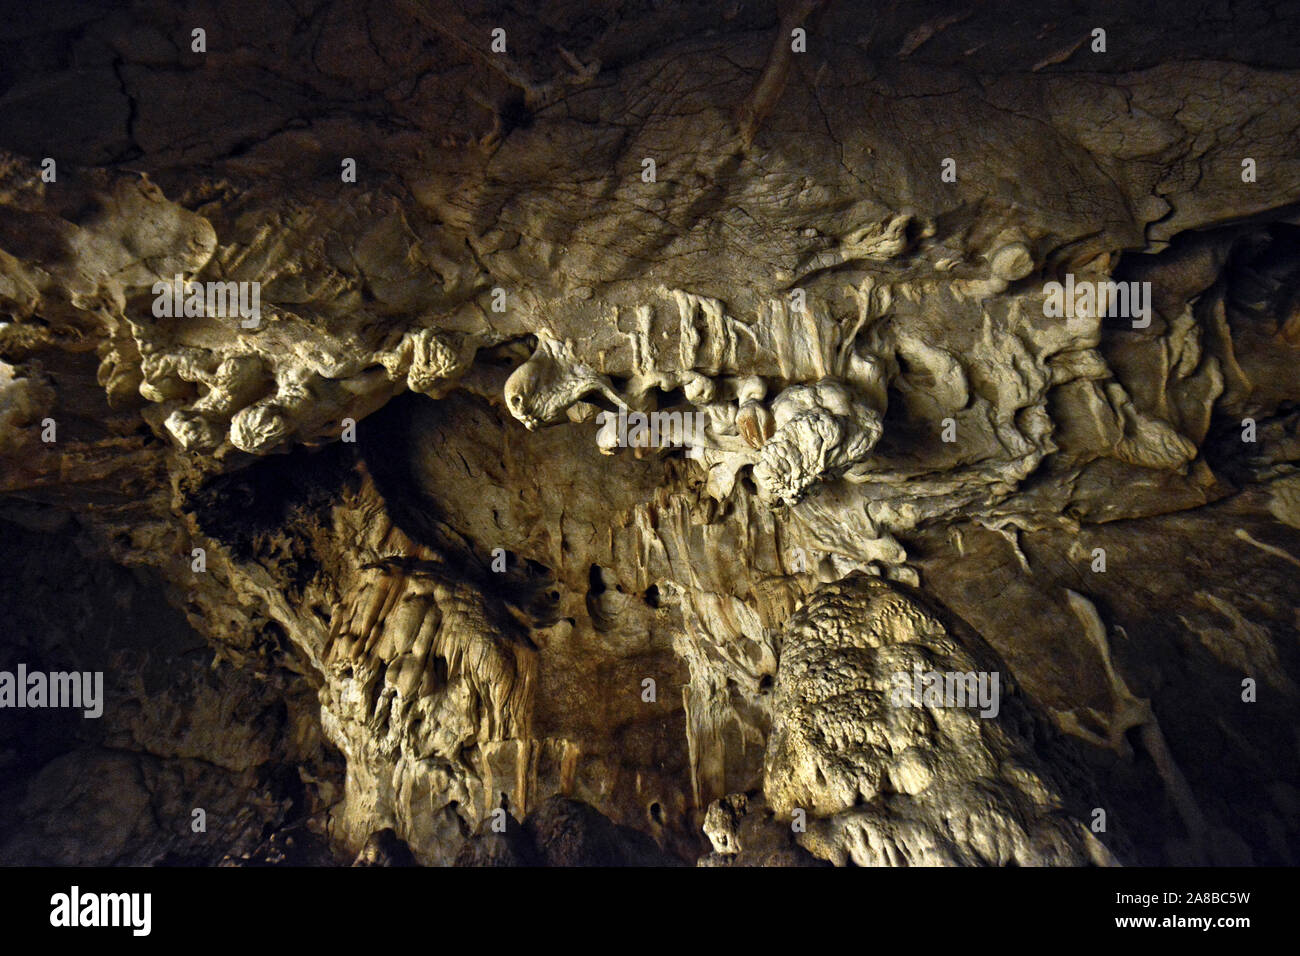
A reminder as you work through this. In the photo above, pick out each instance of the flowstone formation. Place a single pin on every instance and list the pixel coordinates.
(903, 778)
(739, 434)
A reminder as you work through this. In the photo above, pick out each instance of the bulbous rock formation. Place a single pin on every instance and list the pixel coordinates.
(894, 775)
(819, 432)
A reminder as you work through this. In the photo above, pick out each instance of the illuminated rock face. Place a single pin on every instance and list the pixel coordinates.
(988, 342)
(907, 744)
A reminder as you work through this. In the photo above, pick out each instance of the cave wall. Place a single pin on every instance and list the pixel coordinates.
(376, 558)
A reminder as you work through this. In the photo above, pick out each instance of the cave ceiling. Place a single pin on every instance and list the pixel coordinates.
(495, 433)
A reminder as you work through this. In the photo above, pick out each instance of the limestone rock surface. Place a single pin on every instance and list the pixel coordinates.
(553, 456)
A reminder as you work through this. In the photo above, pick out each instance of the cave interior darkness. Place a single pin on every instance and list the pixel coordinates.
(748, 433)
